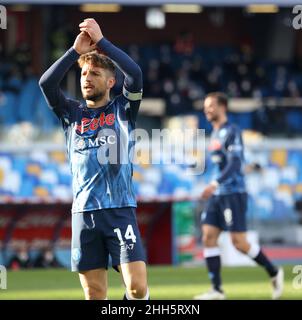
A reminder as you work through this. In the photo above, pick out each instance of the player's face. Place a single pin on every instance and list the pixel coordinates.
(95, 82)
(212, 109)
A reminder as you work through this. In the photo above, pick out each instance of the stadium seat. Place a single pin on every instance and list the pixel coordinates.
(12, 182)
(279, 157)
(244, 120)
(27, 188)
(8, 108)
(264, 206)
(64, 257)
(294, 120)
(44, 116)
(289, 175)
(27, 101)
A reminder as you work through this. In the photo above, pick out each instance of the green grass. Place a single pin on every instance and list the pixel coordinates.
(175, 283)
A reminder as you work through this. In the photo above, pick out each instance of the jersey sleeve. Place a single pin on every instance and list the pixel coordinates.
(234, 144)
(133, 82)
(50, 85)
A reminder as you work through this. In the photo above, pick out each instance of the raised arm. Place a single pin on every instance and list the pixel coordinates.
(133, 75)
(51, 79)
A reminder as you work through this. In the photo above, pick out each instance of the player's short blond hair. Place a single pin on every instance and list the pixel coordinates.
(97, 60)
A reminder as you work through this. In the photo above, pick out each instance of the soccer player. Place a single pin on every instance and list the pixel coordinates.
(99, 148)
(227, 200)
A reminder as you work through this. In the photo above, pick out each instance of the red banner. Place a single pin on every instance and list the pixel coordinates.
(38, 225)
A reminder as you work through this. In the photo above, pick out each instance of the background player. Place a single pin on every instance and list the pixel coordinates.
(103, 211)
(227, 200)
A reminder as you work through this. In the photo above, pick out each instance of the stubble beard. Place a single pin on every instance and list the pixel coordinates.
(94, 96)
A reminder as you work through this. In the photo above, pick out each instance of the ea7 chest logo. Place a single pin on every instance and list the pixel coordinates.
(88, 124)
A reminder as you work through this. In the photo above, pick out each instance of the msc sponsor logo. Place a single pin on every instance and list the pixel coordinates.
(101, 141)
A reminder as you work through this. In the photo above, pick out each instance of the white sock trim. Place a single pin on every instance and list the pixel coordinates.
(146, 297)
(254, 250)
(211, 252)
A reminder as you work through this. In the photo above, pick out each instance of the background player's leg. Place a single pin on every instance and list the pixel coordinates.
(94, 284)
(254, 251)
(135, 279)
(238, 207)
(210, 236)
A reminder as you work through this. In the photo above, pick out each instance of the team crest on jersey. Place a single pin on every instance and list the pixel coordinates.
(76, 254)
(222, 133)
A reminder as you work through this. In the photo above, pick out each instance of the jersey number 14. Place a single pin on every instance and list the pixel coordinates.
(129, 234)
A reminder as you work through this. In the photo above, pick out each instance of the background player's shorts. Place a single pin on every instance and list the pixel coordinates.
(96, 234)
(226, 212)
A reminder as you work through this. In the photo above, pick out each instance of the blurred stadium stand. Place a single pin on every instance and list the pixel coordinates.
(182, 82)
(43, 175)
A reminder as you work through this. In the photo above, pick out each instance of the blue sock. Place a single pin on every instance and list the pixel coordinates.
(212, 257)
(262, 260)
(258, 256)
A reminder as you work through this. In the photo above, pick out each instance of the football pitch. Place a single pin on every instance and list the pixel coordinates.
(165, 282)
